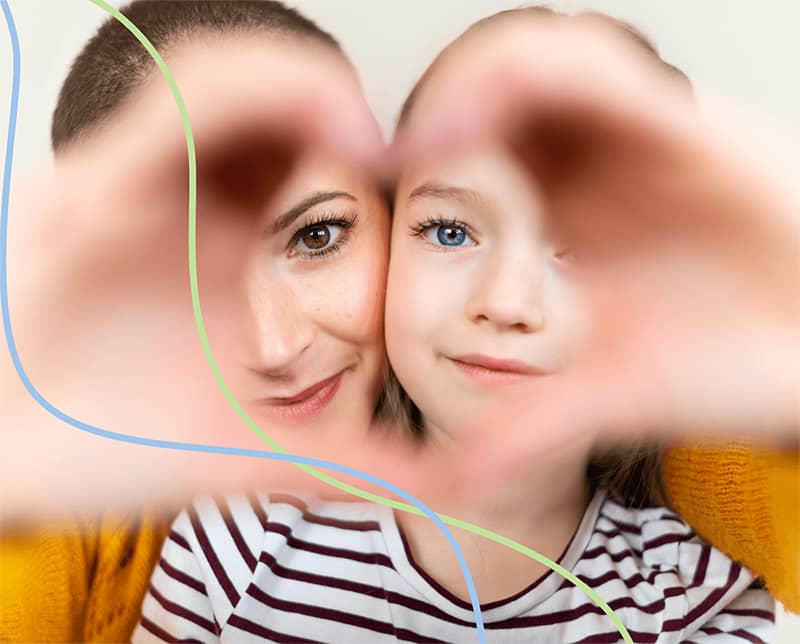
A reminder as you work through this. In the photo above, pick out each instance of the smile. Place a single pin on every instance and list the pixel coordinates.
(494, 371)
(305, 405)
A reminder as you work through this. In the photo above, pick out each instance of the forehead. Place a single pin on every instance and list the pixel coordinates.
(486, 177)
(317, 170)
(458, 52)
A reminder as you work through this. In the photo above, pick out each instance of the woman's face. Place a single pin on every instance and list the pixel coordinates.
(300, 338)
(297, 331)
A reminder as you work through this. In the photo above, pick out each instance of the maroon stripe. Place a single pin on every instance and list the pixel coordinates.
(665, 539)
(360, 526)
(676, 519)
(423, 607)
(671, 516)
(610, 534)
(630, 582)
(258, 509)
(213, 560)
(177, 538)
(614, 637)
(310, 517)
(702, 567)
(182, 577)
(360, 588)
(601, 638)
(753, 612)
(712, 630)
(156, 630)
(559, 617)
(615, 556)
(712, 598)
(747, 636)
(319, 580)
(329, 614)
(329, 551)
(406, 635)
(236, 535)
(288, 499)
(674, 591)
(182, 612)
(261, 631)
(625, 527)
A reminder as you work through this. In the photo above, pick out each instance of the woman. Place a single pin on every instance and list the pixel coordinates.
(291, 278)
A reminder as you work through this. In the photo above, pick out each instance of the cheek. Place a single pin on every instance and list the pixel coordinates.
(569, 318)
(348, 295)
(414, 302)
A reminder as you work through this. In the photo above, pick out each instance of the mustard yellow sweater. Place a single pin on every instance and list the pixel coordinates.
(85, 581)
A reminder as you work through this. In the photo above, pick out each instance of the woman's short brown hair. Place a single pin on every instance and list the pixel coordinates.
(113, 62)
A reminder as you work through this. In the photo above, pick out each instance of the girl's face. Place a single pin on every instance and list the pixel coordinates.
(301, 333)
(481, 304)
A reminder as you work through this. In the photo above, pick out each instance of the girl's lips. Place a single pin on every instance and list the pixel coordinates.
(306, 405)
(490, 371)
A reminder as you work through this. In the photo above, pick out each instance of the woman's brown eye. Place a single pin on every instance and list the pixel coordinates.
(319, 238)
(316, 238)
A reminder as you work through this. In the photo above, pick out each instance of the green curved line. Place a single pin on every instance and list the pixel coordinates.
(201, 331)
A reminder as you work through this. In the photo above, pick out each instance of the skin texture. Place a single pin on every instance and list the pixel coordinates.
(476, 271)
(309, 304)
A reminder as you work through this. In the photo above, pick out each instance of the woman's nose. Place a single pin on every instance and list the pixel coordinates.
(509, 295)
(281, 331)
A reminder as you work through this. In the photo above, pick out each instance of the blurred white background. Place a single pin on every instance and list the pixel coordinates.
(743, 50)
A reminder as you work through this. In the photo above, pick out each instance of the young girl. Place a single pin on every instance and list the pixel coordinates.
(482, 307)
(495, 312)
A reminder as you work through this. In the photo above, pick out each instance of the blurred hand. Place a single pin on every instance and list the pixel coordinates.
(99, 277)
(685, 226)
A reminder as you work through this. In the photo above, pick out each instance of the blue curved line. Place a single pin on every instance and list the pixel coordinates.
(151, 442)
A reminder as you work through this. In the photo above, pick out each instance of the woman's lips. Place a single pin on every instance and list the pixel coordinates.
(494, 371)
(307, 404)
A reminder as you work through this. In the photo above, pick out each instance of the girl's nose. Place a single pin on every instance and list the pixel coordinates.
(509, 295)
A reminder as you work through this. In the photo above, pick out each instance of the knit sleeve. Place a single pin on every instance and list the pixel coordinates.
(128, 548)
(746, 502)
(177, 605)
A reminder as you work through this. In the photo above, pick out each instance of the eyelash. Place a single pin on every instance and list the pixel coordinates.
(562, 256)
(419, 230)
(346, 221)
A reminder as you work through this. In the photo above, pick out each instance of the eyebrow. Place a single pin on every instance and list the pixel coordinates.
(285, 220)
(433, 190)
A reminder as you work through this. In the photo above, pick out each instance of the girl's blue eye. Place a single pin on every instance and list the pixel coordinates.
(449, 235)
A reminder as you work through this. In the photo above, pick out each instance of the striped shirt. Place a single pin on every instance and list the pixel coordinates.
(284, 568)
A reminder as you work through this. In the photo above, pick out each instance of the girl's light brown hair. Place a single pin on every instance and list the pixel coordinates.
(633, 473)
